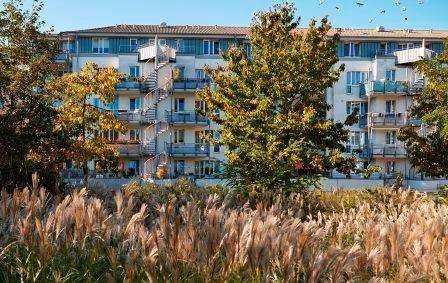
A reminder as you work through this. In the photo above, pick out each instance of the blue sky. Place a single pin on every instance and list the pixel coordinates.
(78, 14)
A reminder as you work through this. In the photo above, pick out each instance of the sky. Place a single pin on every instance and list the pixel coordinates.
(66, 15)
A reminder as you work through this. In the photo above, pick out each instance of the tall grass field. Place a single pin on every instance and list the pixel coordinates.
(180, 234)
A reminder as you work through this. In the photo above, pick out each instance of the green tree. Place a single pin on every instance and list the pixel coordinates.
(28, 140)
(274, 104)
(83, 121)
(427, 149)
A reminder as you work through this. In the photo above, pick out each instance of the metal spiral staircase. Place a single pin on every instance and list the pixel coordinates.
(156, 94)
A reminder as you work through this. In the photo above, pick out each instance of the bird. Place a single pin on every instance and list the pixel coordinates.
(337, 8)
(420, 2)
(403, 9)
(370, 20)
(321, 2)
(383, 11)
(406, 18)
(397, 2)
(360, 4)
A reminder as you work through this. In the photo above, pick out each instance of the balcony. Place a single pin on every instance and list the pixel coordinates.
(414, 122)
(413, 55)
(143, 117)
(387, 151)
(381, 120)
(188, 149)
(386, 88)
(186, 118)
(190, 84)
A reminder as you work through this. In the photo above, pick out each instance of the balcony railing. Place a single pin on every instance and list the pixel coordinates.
(164, 52)
(413, 55)
(386, 120)
(135, 148)
(387, 151)
(188, 149)
(190, 84)
(62, 57)
(387, 87)
(147, 116)
(186, 117)
(128, 48)
(129, 84)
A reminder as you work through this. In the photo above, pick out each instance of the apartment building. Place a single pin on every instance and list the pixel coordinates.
(164, 67)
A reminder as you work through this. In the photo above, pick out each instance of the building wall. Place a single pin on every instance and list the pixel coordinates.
(190, 57)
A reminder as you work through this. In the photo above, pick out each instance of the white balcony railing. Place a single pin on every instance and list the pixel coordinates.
(413, 55)
(148, 52)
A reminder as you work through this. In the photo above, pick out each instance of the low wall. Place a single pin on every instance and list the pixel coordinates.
(350, 184)
(327, 184)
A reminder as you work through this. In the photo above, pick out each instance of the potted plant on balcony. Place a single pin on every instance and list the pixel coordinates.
(176, 74)
(162, 172)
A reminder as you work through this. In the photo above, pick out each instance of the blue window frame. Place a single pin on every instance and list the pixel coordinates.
(134, 71)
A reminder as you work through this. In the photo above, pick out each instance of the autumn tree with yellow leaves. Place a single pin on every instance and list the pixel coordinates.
(84, 122)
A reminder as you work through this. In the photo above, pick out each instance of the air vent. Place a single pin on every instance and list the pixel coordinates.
(380, 29)
(163, 24)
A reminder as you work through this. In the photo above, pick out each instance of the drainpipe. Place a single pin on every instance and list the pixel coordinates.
(77, 52)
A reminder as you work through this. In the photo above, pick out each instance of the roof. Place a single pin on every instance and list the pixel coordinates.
(195, 30)
(166, 30)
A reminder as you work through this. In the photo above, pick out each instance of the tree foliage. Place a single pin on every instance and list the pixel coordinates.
(427, 149)
(85, 122)
(28, 141)
(274, 104)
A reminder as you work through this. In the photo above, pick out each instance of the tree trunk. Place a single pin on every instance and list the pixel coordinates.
(85, 171)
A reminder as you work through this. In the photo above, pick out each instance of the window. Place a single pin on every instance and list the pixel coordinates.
(134, 103)
(402, 46)
(134, 135)
(355, 79)
(205, 168)
(351, 49)
(211, 47)
(215, 47)
(133, 43)
(390, 167)
(134, 71)
(355, 138)
(362, 106)
(206, 46)
(391, 106)
(179, 167)
(179, 105)
(390, 75)
(179, 136)
(217, 137)
(391, 137)
(200, 105)
(100, 45)
(133, 167)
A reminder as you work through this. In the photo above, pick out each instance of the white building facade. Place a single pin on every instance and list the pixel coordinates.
(164, 68)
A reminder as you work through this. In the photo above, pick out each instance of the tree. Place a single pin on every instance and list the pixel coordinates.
(28, 140)
(274, 105)
(85, 122)
(427, 149)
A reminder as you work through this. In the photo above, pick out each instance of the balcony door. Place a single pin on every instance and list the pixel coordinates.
(391, 137)
(179, 105)
(134, 103)
(179, 167)
(179, 136)
(391, 107)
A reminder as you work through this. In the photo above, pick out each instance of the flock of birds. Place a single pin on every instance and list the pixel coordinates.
(382, 11)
